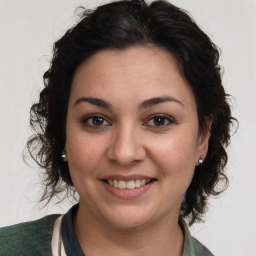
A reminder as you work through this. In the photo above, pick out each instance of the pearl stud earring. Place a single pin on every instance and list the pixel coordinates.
(63, 156)
(201, 160)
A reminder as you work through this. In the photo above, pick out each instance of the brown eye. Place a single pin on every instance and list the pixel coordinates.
(96, 121)
(159, 121)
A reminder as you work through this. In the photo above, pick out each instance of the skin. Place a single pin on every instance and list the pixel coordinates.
(128, 140)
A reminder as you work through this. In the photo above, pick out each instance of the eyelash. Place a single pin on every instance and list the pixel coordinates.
(86, 121)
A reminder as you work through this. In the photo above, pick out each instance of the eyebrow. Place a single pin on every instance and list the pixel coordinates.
(158, 100)
(145, 104)
(94, 101)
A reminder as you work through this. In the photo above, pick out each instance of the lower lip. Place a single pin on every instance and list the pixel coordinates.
(127, 193)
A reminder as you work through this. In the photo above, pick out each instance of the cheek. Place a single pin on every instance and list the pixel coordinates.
(176, 157)
(84, 159)
(84, 154)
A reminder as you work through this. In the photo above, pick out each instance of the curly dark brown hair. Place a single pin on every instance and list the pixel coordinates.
(119, 25)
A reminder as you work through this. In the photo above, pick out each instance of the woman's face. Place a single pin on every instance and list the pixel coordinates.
(132, 136)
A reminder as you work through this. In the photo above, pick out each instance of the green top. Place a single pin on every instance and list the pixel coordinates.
(34, 238)
(30, 238)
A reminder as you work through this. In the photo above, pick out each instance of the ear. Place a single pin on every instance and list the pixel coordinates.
(203, 139)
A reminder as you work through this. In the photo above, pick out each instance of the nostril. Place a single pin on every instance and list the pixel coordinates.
(125, 147)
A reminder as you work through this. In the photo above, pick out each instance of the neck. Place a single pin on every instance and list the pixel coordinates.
(162, 237)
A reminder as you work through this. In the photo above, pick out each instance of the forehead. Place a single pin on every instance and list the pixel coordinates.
(141, 71)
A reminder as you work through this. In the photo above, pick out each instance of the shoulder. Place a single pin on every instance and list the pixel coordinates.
(28, 238)
(199, 249)
(192, 247)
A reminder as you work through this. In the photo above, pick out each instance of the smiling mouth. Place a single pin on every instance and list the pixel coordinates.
(131, 184)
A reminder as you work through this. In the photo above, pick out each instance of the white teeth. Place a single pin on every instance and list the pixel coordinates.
(122, 184)
(131, 184)
(115, 183)
(137, 183)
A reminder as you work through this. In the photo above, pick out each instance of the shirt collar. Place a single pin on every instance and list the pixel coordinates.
(191, 246)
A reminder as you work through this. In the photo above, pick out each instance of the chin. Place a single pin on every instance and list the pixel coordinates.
(128, 219)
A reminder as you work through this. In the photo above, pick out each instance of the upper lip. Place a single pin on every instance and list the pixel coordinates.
(127, 177)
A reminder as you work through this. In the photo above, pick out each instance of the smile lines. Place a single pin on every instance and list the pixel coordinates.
(131, 184)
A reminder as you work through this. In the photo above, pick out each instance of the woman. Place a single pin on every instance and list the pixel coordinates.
(134, 118)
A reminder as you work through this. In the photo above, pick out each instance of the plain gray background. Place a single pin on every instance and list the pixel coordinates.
(28, 29)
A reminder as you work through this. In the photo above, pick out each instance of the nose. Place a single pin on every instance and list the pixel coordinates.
(126, 147)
